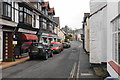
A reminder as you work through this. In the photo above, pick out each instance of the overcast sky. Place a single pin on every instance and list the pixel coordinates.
(70, 11)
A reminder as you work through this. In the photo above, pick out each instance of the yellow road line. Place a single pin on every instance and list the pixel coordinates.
(72, 73)
(78, 70)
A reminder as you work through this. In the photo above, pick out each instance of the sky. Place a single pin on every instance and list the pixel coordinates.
(71, 12)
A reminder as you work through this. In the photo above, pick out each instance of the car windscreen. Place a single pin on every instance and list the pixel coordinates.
(37, 45)
(40, 46)
(26, 44)
(54, 45)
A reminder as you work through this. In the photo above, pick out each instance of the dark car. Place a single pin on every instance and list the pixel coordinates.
(56, 47)
(25, 47)
(38, 49)
(66, 44)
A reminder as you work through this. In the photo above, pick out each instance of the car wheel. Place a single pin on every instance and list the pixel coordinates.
(51, 54)
(46, 57)
(31, 57)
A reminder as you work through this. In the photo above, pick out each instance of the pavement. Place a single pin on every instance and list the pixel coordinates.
(70, 63)
(4, 65)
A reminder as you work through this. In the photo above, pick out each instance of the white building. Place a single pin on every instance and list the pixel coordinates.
(87, 35)
(98, 35)
(105, 34)
(113, 36)
(9, 19)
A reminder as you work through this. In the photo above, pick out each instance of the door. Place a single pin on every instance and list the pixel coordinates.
(8, 48)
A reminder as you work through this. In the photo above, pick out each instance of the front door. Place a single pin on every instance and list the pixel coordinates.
(8, 48)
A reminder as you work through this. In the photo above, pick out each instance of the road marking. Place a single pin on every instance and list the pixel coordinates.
(72, 73)
(73, 50)
(86, 74)
(78, 70)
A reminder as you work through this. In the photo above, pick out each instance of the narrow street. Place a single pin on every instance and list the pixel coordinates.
(70, 63)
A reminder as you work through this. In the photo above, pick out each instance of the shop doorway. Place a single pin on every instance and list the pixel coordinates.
(8, 48)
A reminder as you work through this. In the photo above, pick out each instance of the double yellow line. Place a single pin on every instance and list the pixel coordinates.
(72, 73)
(75, 70)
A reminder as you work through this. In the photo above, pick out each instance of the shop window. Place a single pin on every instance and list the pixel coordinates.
(116, 40)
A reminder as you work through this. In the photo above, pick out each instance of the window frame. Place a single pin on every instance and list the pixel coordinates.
(27, 15)
(5, 13)
(115, 40)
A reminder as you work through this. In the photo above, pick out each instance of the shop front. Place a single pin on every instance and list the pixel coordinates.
(48, 38)
(23, 39)
(8, 48)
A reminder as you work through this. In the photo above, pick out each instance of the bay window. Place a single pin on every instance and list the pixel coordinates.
(21, 17)
(25, 15)
(7, 10)
(116, 40)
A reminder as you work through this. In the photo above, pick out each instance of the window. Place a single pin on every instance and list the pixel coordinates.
(25, 18)
(116, 40)
(25, 15)
(44, 25)
(34, 23)
(21, 8)
(7, 9)
(13, 11)
(21, 17)
(54, 45)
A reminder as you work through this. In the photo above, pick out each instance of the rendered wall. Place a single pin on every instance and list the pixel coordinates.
(113, 12)
(87, 36)
(98, 26)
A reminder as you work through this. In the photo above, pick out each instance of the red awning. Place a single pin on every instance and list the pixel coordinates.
(29, 37)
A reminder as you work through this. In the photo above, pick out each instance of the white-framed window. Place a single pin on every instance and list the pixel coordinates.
(116, 39)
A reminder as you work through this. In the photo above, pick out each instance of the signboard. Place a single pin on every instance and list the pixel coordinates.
(26, 31)
(14, 42)
(49, 34)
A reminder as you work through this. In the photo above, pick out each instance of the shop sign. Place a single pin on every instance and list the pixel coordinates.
(49, 34)
(26, 31)
(14, 42)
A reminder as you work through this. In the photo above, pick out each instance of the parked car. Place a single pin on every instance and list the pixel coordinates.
(25, 47)
(56, 47)
(66, 44)
(38, 49)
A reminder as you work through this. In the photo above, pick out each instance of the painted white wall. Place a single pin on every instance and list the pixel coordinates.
(87, 40)
(61, 34)
(96, 4)
(112, 12)
(98, 39)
